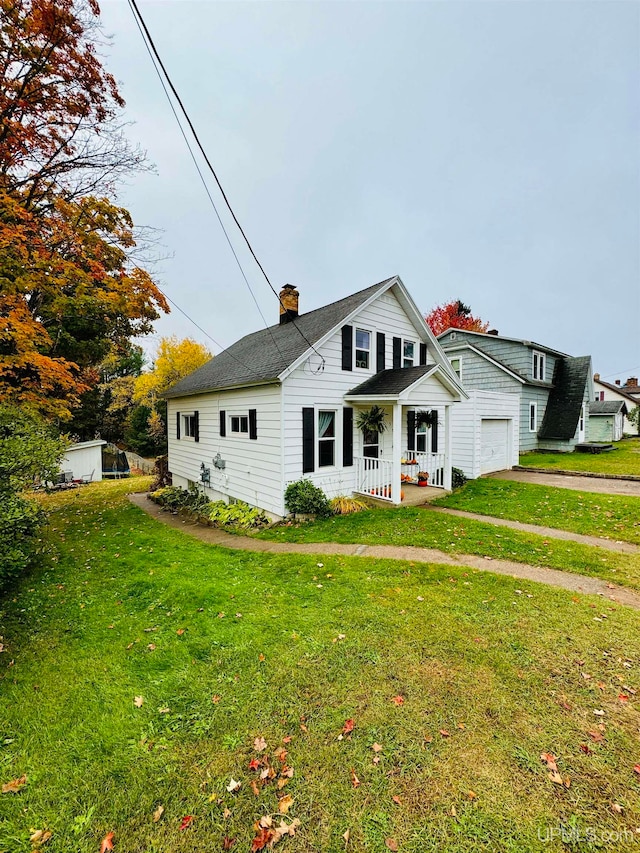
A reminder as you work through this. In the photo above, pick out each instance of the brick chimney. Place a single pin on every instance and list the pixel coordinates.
(288, 304)
(632, 381)
(492, 332)
(617, 382)
(596, 377)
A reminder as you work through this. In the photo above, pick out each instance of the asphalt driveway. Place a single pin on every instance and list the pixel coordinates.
(601, 485)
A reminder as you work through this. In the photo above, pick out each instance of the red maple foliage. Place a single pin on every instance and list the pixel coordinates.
(454, 315)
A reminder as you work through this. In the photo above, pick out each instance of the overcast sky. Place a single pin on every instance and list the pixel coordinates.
(487, 151)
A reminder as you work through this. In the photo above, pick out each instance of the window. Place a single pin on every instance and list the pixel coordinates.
(582, 417)
(189, 426)
(326, 439)
(240, 423)
(363, 348)
(408, 350)
(538, 365)
(421, 438)
(533, 417)
(456, 363)
(599, 396)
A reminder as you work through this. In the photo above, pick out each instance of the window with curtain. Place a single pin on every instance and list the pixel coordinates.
(363, 348)
(408, 353)
(326, 439)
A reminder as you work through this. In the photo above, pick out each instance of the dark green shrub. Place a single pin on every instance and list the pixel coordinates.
(303, 497)
(458, 478)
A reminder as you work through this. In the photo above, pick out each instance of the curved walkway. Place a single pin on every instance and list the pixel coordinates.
(549, 532)
(552, 577)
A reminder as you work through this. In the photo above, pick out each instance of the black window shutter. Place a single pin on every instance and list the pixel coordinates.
(308, 449)
(397, 353)
(253, 423)
(434, 432)
(380, 351)
(411, 430)
(196, 426)
(177, 425)
(347, 347)
(423, 354)
(223, 424)
(347, 437)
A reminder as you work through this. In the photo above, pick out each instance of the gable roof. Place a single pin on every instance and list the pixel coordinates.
(262, 356)
(618, 389)
(485, 335)
(566, 399)
(390, 382)
(607, 407)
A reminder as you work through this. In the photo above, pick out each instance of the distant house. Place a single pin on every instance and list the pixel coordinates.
(608, 391)
(606, 419)
(554, 388)
(283, 403)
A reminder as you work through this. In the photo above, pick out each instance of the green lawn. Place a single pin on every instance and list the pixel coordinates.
(610, 516)
(224, 647)
(623, 459)
(420, 527)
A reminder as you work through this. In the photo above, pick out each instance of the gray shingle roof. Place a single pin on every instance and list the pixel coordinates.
(565, 400)
(389, 382)
(607, 407)
(262, 356)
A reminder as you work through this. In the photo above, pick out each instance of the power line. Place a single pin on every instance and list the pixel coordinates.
(151, 45)
(204, 184)
(620, 372)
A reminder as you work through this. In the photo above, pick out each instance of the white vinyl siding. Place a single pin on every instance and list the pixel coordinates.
(252, 470)
(467, 421)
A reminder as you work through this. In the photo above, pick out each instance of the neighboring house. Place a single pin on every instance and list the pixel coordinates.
(554, 389)
(607, 391)
(282, 403)
(606, 420)
(83, 461)
(632, 388)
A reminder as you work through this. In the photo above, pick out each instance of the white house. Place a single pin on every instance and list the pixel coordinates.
(608, 392)
(282, 404)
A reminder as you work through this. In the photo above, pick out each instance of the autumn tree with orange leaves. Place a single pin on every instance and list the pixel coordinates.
(70, 292)
(454, 315)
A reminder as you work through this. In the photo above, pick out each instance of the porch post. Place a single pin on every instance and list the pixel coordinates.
(396, 469)
(447, 447)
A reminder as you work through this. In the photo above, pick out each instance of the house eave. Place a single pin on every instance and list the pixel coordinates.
(221, 390)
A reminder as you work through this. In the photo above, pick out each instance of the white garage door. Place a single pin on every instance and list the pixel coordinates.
(494, 445)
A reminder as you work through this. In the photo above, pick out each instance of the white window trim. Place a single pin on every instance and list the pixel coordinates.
(422, 429)
(403, 359)
(183, 425)
(457, 358)
(533, 407)
(540, 373)
(238, 434)
(337, 445)
(356, 348)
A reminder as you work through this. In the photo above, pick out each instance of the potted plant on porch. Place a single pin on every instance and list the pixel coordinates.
(423, 478)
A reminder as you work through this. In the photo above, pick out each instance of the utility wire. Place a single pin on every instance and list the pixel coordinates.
(151, 45)
(620, 372)
(206, 189)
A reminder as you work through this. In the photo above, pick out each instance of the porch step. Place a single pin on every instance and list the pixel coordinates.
(413, 496)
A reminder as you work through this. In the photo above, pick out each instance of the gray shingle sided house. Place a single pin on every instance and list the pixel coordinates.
(554, 388)
(283, 403)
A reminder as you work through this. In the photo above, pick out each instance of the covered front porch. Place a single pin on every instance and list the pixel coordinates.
(412, 451)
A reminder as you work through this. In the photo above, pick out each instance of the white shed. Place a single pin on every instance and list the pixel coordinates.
(84, 461)
(485, 430)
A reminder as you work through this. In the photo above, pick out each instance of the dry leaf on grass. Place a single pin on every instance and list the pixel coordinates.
(107, 842)
(40, 836)
(376, 747)
(284, 804)
(14, 785)
(233, 786)
(398, 700)
(391, 844)
(187, 820)
(550, 760)
(259, 744)
(158, 814)
(354, 779)
(138, 701)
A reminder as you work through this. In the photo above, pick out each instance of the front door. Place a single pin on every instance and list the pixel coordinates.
(371, 444)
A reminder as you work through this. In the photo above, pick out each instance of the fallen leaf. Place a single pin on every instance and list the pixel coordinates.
(556, 778)
(254, 788)
(284, 804)
(303, 728)
(233, 786)
(186, 821)
(254, 764)
(391, 843)
(346, 835)
(14, 785)
(265, 821)
(550, 760)
(444, 733)
(226, 813)
(215, 699)
(396, 800)
(227, 843)
(376, 747)
(180, 632)
(595, 736)
(259, 744)
(164, 711)
(287, 739)
(636, 769)
(158, 814)
(107, 842)
(599, 713)
(454, 813)
(348, 727)
(138, 701)
(586, 749)
(261, 840)
(261, 657)
(398, 700)
(40, 836)
(472, 795)
(623, 697)
(354, 779)
(152, 647)
(617, 808)
(281, 754)
(376, 759)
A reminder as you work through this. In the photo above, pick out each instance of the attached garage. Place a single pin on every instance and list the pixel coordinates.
(494, 444)
(484, 432)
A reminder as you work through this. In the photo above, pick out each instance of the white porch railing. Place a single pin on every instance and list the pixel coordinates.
(432, 463)
(374, 477)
